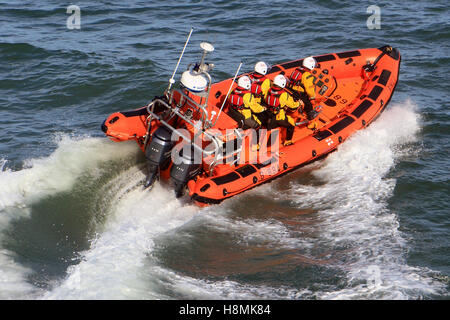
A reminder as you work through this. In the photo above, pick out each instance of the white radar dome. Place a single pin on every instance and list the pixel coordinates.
(193, 81)
(208, 47)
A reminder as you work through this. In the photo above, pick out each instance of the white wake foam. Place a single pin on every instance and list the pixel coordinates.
(352, 210)
(354, 206)
(59, 171)
(111, 267)
(42, 177)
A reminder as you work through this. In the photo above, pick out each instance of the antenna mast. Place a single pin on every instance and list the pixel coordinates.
(172, 81)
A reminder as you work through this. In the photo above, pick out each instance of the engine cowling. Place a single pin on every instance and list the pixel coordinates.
(157, 154)
(188, 167)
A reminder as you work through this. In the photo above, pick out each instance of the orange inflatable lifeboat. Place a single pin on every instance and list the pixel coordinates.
(190, 140)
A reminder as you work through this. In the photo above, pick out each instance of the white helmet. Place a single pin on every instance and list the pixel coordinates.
(244, 82)
(309, 63)
(261, 67)
(280, 81)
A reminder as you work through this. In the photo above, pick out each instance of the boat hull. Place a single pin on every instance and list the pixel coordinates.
(352, 89)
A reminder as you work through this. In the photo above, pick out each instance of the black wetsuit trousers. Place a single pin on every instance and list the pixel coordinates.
(274, 123)
(243, 123)
(308, 105)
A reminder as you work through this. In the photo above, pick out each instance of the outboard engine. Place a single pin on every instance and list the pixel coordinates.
(188, 168)
(158, 153)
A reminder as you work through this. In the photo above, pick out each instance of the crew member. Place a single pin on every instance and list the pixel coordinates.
(244, 106)
(302, 81)
(260, 84)
(278, 101)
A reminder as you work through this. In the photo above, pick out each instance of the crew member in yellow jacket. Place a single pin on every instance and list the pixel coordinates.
(302, 81)
(244, 106)
(260, 84)
(279, 101)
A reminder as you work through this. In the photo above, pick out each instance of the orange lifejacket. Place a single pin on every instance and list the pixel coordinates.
(273, 99)
(236, 98)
